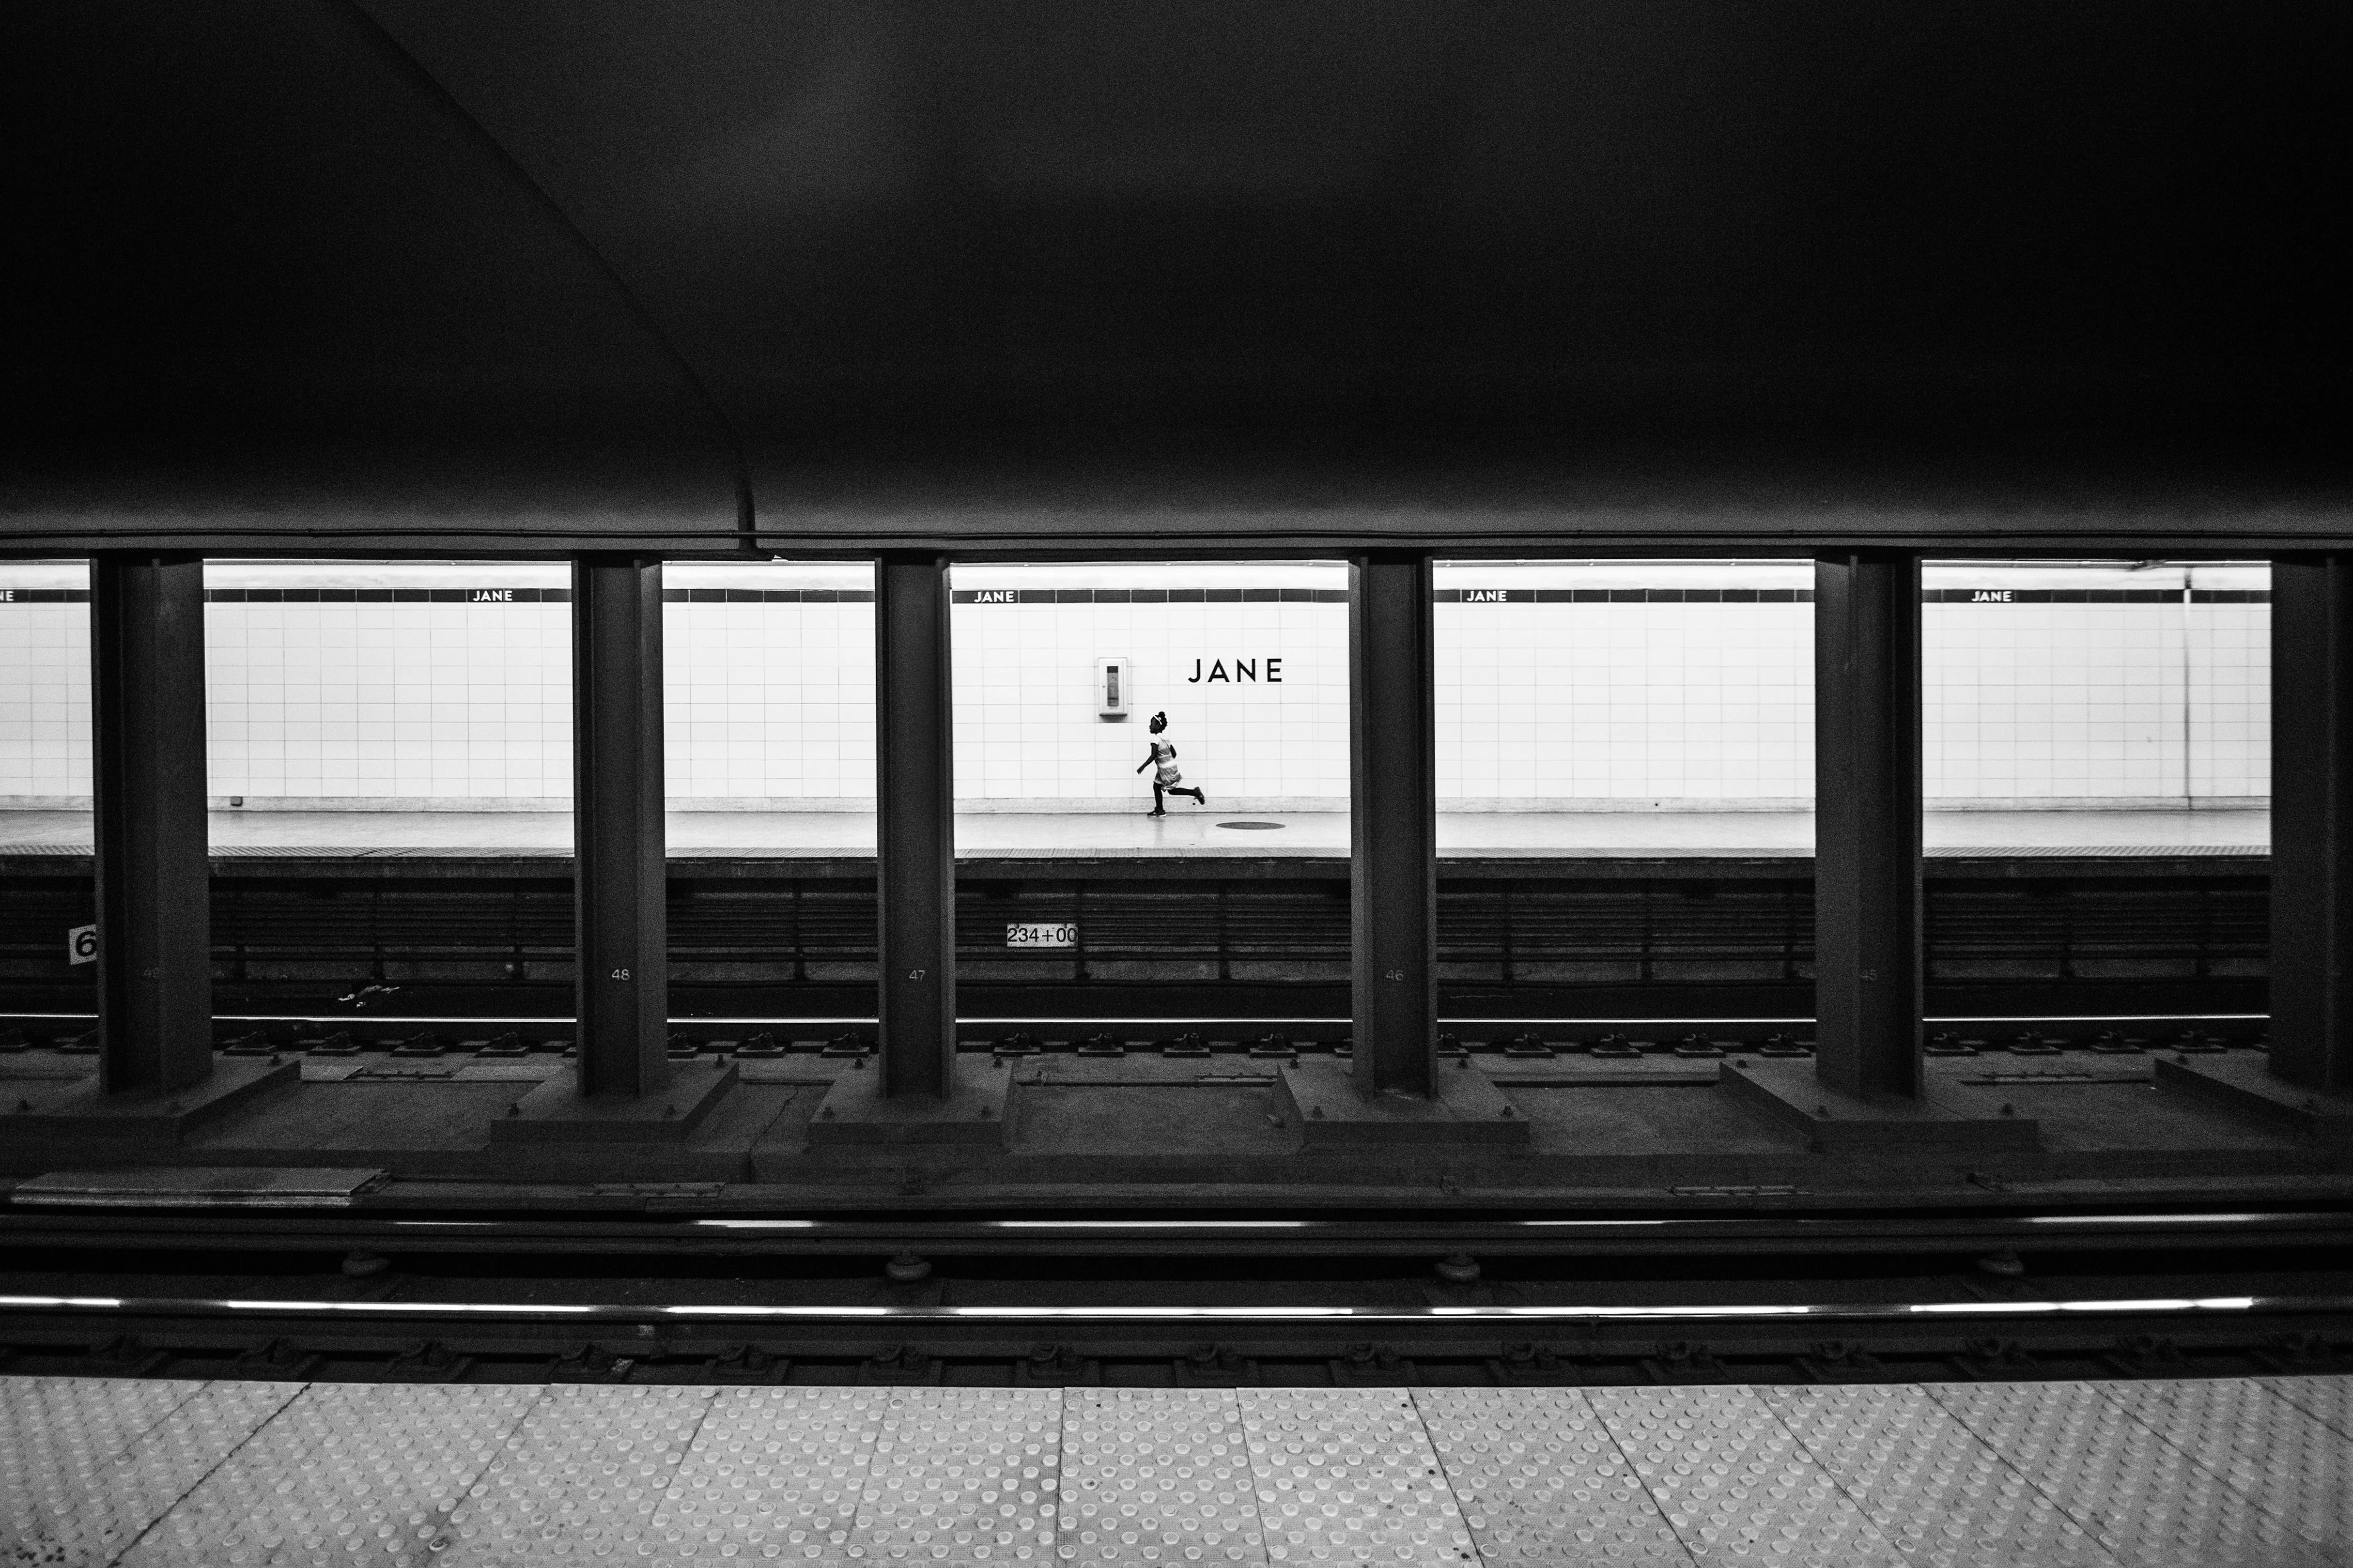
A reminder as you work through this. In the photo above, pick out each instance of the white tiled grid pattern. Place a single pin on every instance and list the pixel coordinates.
(770, 702)
(1028, 729)
(2230, 729)
(1541, 707)
(2096, 702)
(2098, 1473)
(43, 683)
(411, 701)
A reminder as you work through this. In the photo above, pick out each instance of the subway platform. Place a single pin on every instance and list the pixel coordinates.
(1221, 832)
(2208, 1473)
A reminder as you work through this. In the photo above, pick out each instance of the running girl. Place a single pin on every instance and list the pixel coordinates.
(1165, 777)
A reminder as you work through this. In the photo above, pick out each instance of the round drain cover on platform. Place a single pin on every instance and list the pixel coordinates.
(1250, 824)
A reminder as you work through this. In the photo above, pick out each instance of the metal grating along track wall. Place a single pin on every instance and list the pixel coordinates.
(1528, 946)
(2052, 931)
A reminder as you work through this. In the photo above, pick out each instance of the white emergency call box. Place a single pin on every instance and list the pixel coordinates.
(1113, 687)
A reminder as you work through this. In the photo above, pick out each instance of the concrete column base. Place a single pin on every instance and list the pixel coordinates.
(976, 1109)
(1321, 1095)
(158, 1115)
(2246, 1082)
(558, 1112)
(1951, 1120)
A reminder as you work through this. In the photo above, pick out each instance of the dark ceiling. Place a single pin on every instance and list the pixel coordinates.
(718, 240)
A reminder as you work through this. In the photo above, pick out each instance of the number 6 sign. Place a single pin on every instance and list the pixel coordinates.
(81, 945)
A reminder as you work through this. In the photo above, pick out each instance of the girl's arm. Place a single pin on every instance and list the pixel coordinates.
(1149, 757)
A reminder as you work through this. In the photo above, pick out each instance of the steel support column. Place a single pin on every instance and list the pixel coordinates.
(1867, 923)
(147, 757)
(620, 879)
(1393, 822)
(915, 826)
(2312, 821)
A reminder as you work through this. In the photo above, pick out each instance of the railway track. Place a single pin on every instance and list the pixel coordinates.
(406, 1291)
(1160, 1345)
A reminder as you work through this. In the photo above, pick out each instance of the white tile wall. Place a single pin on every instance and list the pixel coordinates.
(2230, 689)
(1567, 705)
(764, 702)
(1550, 706)
(45, 683)
(770, 702)
(1027, 731)
(450, 702)
(2084, 703)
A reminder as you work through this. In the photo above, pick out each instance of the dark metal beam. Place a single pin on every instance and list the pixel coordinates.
(1393, 821)
(915, 824)
(147, 755)
(620, 884)
(1867, 923)
(2312, 821)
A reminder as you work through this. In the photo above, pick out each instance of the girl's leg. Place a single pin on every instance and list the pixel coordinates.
(1158, 808)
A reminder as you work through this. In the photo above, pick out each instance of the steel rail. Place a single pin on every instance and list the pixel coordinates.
(458, 1230)
(1183, 1346)
(292, 1309)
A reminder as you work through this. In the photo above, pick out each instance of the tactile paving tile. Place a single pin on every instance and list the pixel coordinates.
(962, 1475)
(2292, 1466)
(580, 1479)
(58, 1437)
(1541, 1481)
(2328, 1400)
(1930, 1485)
(775, 1474)
(1156, 1475)
(1734, 1481)
(347, 1473)
(1348, 1476)
(2141, 1498)
(105, 1502)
